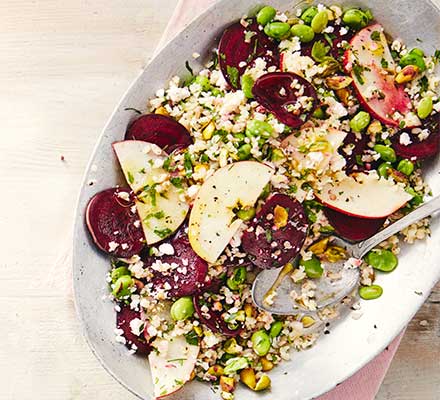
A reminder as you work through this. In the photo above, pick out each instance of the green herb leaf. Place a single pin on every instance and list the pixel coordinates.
(375, 35)
(192, 338)
(176, 182)
(130, 177)
(320, 51)
(163, 233)
(358, 70)
(187, 164)
(233, 76)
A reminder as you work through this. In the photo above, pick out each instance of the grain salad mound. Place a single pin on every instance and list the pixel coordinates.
(263, 156)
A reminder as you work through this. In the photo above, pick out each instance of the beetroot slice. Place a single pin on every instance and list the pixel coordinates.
(420, 150)
(236, 54)
(159, 129)
(353, 228)
(114, 224)
(123, 319)
(213, 319)
(271, 247)
(352, 148)
(190, 275)
(274, 92)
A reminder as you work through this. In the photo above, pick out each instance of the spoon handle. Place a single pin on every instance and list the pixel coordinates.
(360, 249)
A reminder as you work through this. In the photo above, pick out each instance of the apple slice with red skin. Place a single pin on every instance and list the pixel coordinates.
(239, 46)
(369, 62)
(364, 195)
(160, 130)
(353, 228)
(114, 224)
(421, 149)
(276, 91)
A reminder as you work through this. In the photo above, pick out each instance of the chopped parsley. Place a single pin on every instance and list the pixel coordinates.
(437, 56)
(149, 191)
(176, 182)
(375, 35)
(130, 177)
(187, 164)
(268, 235)
(192, 338)
(357, 70)
(163, 233)
(233, 75)
(157, 215)
(384, 63)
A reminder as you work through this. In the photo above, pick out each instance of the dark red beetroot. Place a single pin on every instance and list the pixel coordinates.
(161, 130)
(275, 93)
(213, 319)
(113, 223)
(123, 319)
(236, 54)
(353, 148)
(353, 228)
(190, 275)
(420, 150)
(271, 247)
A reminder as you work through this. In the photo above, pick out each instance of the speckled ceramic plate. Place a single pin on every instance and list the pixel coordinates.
(351, 343)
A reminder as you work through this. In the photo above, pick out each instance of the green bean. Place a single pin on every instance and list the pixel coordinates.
(386, 152)
(122, 286)
(203, 81)
(277, 30)
(405, 167)
(118, 272)
(308, 14)
(237, 278)
(312, 267)
(182, 309)
(260, 342)
(360, 121)
(383, 169)
(275, 329)
(319, 21)
(370, 292)
(255, 127)
(247, 83)
(265, 15)
(355, 18)
(424, 109)
(413, 59)
(304, 32)
(382, 260)
(246, 214)
(235, 364)
(244, 151)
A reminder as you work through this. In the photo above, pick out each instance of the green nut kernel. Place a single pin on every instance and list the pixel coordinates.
(304, 32)
(277, 155)
(277, 30)
(235, 364)
(382, 260)
(360, 121)
(355, 18)
(237, 278)
(312, 267)
(256, 127)
(384, 169)
(203, 81)
(370, 292)
(275, 329)
(424, 108)
(231, 346)
(405, 167)
(386, 152)
(413, 59)
(260, 342)
(308, 14)
(244, 151)
(246, 214)
(182, 309)
(319, 113)
(122, 286)
(265, 15)
(247, 83)
(118, 272)
(319, 21)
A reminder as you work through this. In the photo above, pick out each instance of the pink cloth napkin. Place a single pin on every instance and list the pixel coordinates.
(366, 382)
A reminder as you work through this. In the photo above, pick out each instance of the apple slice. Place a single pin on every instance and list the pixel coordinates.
(160, 214)
(368, 59)
(171, 364)
(212, 222)
(364, 195)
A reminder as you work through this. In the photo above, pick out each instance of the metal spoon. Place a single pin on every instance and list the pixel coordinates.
(328, 291)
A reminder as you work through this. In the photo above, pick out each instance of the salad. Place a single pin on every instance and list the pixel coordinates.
(304, 125)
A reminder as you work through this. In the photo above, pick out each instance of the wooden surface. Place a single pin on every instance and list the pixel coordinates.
(63, 67)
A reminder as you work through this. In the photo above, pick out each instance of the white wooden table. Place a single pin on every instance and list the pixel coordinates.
(63, 67)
